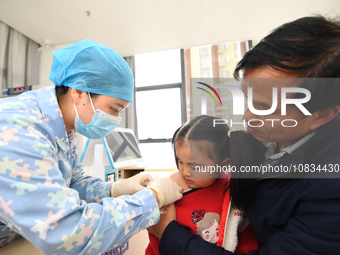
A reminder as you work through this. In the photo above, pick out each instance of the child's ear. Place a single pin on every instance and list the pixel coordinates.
(226, 162)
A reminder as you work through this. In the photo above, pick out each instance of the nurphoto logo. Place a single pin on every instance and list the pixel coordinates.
(239, 104)
(212, 89)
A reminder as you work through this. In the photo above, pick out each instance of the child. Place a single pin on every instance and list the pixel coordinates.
(199, 145)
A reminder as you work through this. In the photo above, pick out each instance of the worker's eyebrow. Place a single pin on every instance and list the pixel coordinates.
(121, 106)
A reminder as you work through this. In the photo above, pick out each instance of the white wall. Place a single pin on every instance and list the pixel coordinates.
(46, 57)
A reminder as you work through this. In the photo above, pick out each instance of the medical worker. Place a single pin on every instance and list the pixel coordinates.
(44, 195)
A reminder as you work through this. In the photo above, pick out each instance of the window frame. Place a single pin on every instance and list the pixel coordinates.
(181, 86)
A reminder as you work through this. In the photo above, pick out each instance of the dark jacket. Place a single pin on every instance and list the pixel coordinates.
(299, 215)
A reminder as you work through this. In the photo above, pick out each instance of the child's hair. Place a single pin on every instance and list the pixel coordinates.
(241, 147)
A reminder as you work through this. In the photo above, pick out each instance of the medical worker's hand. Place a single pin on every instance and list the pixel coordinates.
(131, 185)
(167, 191)
(166, 217)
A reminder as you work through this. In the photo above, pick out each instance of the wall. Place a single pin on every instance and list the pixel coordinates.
(46, 57)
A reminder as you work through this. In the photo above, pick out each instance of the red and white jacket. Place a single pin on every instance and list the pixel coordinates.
(236, 235)
(205, 212)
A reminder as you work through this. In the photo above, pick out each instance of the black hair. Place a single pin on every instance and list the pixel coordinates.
(308, 47)
(241, 147)
(62, 90)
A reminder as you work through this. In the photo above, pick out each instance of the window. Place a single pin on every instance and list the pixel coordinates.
(157, 68)
(158, 155)
(158, 112)
(222, 74)
(205, 74)
(221, 61)
(204, 50)
(159, 103)
(205, 62)
(226, 103)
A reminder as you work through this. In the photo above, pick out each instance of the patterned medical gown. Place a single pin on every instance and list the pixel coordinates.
(44, 195)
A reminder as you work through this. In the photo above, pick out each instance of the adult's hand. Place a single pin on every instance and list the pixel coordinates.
(167, 191)
(131, 185)
(166, 217)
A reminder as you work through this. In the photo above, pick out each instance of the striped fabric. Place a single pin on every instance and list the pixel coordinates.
(272, 158)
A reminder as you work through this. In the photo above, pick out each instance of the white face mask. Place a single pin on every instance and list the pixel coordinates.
(100, 126)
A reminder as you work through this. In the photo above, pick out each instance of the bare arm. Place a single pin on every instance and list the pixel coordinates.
(177, 177)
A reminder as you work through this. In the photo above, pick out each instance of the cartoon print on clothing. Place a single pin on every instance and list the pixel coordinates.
(207, 225)
(208, 200)
(43, 181)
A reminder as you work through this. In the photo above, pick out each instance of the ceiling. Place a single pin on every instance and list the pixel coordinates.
(138, 26)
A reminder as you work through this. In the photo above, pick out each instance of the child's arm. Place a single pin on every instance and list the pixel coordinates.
(152, 248)
(177, 177)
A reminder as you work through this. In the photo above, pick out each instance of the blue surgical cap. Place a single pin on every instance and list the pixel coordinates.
(90, 66)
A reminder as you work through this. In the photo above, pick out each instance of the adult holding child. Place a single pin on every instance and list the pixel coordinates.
(293, 214)
(205, 192)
